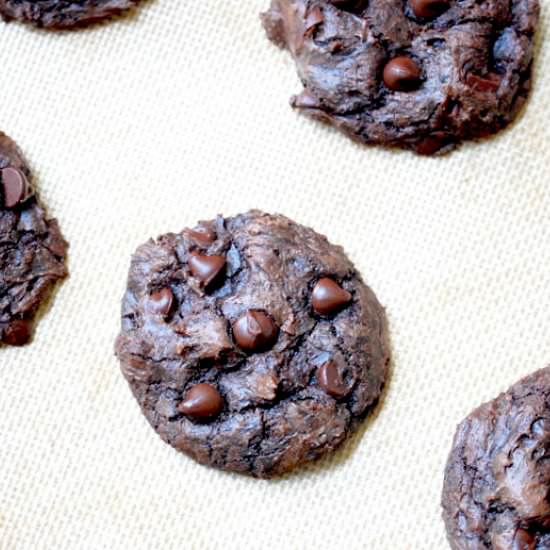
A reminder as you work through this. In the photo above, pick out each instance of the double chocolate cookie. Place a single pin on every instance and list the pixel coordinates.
(32, 249)
(418, 74)
(63, 14)
(497, 480)
(251, 343)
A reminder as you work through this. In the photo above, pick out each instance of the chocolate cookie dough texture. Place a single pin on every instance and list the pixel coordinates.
(251, 343)
(497, 480)
(32, 249)
(418, 74)
(63, 14)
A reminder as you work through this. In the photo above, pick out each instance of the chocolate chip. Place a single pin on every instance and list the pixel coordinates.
(328, 297)
(523, 540)
(16, 189)
(201, 402)
(202, 235)
(206, 268)
(429, 8)
(18, 332)
(161, 302)
(330, 380)
(402, 74)
(255, 331)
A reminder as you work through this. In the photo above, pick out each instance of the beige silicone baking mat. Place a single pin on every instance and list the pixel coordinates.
(155, 121)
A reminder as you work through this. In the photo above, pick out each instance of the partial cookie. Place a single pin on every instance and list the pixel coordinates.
(32, 249)
(251, 343)
(497, 480)
(63, 14)
(417, 74)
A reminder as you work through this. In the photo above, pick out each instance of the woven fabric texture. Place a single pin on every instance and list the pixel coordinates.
(180, 112)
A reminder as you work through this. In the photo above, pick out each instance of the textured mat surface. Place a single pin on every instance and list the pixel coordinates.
(155, 121)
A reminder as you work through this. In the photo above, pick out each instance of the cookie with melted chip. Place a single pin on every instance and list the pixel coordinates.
(251, 343)
(32, 249)
(418, 74)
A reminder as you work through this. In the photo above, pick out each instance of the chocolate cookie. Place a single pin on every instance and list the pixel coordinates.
(418, 74)
(497, 479)
(251, 343)
(32, 250)
(63, 14)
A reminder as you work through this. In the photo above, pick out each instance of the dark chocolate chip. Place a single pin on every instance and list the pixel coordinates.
(255, 331)
(201, 402)
(429, 8)
(16, 189)
(523, 540)
(18, 332)
(161, 302)
(328, 297)
(203, 236)
(330, 380)
(402, 74)
(206, 268)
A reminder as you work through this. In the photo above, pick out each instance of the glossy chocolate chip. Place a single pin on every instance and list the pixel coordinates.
(329, 297)
(161, 302)
(429, 8)
(201, 402)
(328, 377)
(402, 74)
(16, 188)
(255, 331)
(524, 540)
(203, 236)
(206, 268)
(17, 333)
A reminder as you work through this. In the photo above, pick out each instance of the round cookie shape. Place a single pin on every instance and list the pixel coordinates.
(32, 249)
(423, 75)
(63, 14)
(245, 375)
(497, 477)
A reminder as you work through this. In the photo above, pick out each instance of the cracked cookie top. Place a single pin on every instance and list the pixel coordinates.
(497, 480)
(418, 74)
(251, 342)
(32, 249)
